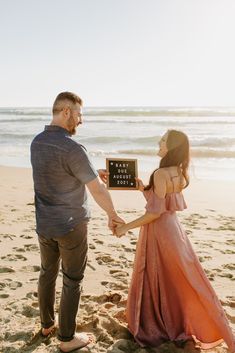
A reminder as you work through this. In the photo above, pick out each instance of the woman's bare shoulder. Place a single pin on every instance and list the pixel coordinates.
(160, 173)
(160, 183)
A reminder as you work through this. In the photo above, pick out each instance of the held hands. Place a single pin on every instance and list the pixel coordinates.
(120, 229)
(117, 225)
(114, 220)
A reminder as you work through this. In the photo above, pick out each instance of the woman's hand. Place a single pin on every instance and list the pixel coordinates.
(120, 229)
(140, 184)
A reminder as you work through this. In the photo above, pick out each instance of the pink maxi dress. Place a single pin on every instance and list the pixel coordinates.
(170, 297)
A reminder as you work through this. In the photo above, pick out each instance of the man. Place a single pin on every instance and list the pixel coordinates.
(61, 170)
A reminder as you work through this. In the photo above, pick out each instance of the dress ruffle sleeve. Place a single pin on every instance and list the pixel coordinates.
(155, 204)
(175, 202)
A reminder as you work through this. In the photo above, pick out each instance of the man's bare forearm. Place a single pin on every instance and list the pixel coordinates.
(102, 197)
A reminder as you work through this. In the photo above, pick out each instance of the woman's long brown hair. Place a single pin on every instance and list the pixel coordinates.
(178, 155)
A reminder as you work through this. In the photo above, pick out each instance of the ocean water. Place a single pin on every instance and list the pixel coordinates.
(131, 133)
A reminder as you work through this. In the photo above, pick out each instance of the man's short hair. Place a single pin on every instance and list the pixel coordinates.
(65, 98)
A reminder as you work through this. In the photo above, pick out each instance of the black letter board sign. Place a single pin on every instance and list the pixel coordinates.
(122, 173)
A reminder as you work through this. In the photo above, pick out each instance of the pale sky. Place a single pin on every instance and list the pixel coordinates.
(118, 52)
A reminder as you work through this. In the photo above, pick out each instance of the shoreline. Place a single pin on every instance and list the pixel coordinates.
(201, 194)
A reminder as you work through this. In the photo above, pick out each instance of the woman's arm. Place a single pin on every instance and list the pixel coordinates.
(146, 218)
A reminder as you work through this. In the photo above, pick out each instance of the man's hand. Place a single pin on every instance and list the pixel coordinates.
(103, 174)
(114, 219)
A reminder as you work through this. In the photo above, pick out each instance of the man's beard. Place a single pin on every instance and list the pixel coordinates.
(71, 126)
(73, 131)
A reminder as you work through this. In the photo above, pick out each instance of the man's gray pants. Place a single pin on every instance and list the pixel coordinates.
(72, 250)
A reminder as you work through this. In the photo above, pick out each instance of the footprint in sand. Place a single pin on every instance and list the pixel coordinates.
(204, 258)
(29, 268)
(17, 336)
(210, 275)
(128, 249)
(199, 216)
(31, 247)
(125, 261)
(92, 246)
(4, 295)
(188, 231)
(133, 242)
(109, 297)
(227, 251)
(6, 269)
(8, 236)
(97, 241)
(105, 259)
(230, 242)
(219, 272)
(14, 285)
(30, 311)
(19, 249)
(14, 257)
(231, 301)
(104, 283)
(2, 285)
(32, 295)
(33, 279)
(25, 236)
(229, 266)
(8, 283)
(118, 272)
(120, 275)
(227, 275)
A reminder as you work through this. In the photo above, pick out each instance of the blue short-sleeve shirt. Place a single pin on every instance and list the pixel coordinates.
(61, 168)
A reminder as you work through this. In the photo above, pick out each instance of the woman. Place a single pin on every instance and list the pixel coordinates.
(170, 297)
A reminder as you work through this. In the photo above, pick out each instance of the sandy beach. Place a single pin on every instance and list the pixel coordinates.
(209, 222)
